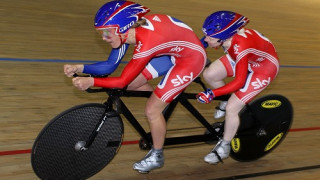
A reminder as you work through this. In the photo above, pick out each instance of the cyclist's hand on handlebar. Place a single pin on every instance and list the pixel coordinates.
(205, 97)
(83, 83)
(70, 70)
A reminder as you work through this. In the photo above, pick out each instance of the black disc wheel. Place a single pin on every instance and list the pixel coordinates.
(56, 151)
(264, 123)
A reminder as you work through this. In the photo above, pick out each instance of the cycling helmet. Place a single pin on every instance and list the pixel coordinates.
(120, 15)
(223, 24)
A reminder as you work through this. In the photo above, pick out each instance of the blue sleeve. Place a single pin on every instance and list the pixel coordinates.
(108, 66)
(205, 44)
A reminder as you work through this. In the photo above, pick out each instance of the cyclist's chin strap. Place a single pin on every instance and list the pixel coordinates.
(123, 40)
(221, 42)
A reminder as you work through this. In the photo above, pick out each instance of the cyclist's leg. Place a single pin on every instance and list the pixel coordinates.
(214, 75)
(180, 75)
(243, 96)
(154, 159)
(157, 123)
(236, 102)
(172, 84)
(218, 71)
(140, 83)
(158, 66)
(232, 121)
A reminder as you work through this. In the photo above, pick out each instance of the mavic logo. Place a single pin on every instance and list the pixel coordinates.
(181, 80)
(156, 18)
(176, 49)
(269, 104)
(260, 83)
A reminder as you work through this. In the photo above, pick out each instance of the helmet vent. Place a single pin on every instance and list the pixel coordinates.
(217, 27)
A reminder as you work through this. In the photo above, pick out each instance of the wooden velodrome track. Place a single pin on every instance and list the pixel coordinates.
(38, 37)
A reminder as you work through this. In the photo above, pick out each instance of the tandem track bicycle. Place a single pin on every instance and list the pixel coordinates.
(82, 140)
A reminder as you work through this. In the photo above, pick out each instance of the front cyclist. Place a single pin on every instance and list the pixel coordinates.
(155, 35)
(250, 58)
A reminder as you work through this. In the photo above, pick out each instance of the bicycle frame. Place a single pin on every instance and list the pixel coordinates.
(115, 99)
(69, 135)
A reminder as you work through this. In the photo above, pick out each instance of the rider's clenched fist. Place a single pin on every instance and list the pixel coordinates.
(83, 83)
(70, 70)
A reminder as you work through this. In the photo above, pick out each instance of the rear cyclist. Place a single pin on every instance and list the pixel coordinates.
(250, 58)
(156, 35)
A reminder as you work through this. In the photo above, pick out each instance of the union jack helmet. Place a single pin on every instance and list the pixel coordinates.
(223, 24)
(120, 15)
